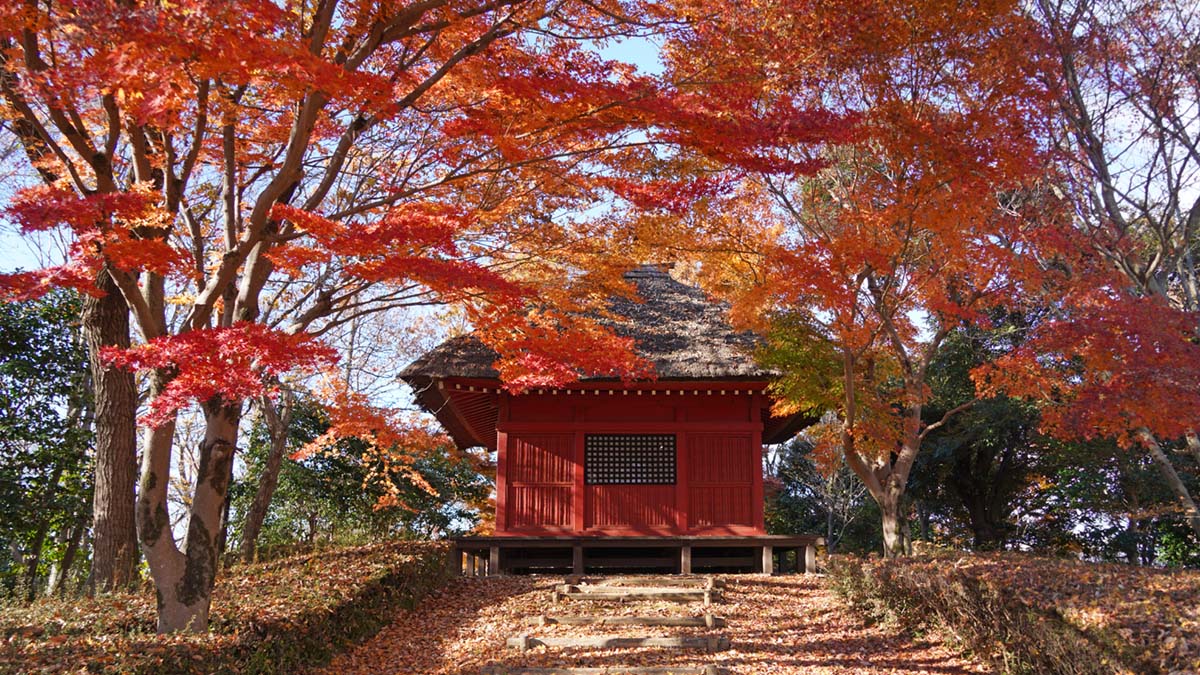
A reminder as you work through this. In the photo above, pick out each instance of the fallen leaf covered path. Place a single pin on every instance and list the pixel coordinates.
(777, 625)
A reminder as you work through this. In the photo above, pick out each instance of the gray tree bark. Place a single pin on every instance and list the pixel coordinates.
(896, 540)
(185, 576)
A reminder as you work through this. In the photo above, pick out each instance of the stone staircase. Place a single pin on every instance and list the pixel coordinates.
(596, 593)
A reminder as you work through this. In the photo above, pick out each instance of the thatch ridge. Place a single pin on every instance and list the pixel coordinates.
(677, 328)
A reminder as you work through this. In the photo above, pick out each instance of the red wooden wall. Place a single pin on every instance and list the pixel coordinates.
(541, 476)
(722, 469)
(718, 477)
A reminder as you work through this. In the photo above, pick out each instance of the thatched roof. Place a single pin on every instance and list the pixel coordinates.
(676, 327)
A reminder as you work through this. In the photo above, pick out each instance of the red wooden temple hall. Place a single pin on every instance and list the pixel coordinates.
(663, 474)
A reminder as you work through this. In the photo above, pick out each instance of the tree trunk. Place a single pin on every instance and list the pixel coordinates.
(55, 567)
(1193, 442)
(830, 543)
(1133, 536)
(1132, 502)
(33, 559)
(886, 478)
(887, 489)
(114, 540)
(924, 516)
(896, 542)
(85, 544)
(974, 479)
(223, 530)
(164, 558)
(59, 586)
(1167, 470)
(184, 578)
(311, 539)
(278, 422)
(194, 591)
(985, 528)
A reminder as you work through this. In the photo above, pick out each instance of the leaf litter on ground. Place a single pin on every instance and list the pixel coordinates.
(783, 625)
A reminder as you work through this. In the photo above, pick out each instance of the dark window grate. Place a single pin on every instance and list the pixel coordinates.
(629, 459)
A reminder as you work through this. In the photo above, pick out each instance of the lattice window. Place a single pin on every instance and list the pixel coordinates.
(629, 459)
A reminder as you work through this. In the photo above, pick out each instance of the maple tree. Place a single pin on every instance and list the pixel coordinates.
(1123, 124)
(251, 176)
(914, 225)
(1111, 365)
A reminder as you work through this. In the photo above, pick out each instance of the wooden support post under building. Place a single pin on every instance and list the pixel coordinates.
(768, 554)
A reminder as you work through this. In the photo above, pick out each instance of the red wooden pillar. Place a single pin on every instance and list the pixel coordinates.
(682, 453)
(681, 467)
(501, 481)
(578, 493)
(756, 449)
(502, 466)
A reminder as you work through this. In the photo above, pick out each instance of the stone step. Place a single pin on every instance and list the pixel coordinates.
(705, 620)
(631, 593)
(655, 581)
(588, 588)
(706, 597)
(709, 643)
(607, 670)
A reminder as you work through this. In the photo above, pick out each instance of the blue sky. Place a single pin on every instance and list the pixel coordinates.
(639, 51)
(19, 252)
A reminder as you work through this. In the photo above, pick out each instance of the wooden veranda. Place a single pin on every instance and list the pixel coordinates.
(770, 554)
